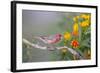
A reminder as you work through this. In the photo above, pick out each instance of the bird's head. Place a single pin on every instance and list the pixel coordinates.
(58, 35)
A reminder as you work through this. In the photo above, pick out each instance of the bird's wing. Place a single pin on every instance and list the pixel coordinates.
(41, 40)
(51, 37)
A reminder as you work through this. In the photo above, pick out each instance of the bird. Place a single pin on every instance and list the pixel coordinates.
(50, 40)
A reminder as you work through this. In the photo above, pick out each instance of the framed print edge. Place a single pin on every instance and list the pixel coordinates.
(14, 32)
(96, 36)
(13, 36)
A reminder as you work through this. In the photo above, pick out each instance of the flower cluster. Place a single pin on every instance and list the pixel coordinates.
(76, 38)
(86, 20)
(82, 20)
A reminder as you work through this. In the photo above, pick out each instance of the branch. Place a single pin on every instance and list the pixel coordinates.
(72, 51)
(33, 45)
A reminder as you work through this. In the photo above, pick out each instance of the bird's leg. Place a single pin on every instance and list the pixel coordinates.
(51, 47)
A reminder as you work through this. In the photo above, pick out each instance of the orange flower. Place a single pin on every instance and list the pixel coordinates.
(75, 43)
(75, 33)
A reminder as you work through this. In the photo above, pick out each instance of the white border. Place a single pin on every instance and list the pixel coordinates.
(37, 65)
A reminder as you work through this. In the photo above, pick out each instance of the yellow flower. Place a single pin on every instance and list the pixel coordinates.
(75, 19)
(75, 27)
(85, 16)
(85, 23)
(75, 30)
(67, 35)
